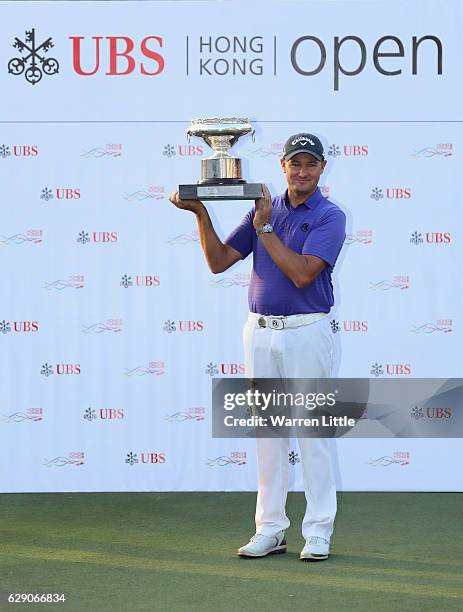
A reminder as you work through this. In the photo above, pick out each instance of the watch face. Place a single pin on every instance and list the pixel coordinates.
(265, 229)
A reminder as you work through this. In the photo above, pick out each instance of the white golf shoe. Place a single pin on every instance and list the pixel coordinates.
(315, 549)
(261, 545)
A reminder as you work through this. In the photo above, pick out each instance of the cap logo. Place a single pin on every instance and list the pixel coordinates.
(303, 141)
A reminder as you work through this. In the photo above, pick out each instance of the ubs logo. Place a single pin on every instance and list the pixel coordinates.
(19, 326)
(348, 150)
(182, 150)
(305, 227)
(430, 238)
(18, 151)
(35, 56)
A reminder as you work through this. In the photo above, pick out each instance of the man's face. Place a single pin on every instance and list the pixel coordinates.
(303, 172)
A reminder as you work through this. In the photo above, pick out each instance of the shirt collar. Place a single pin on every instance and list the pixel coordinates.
(310, 203)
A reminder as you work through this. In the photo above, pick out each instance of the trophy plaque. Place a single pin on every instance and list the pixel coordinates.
(220, 173)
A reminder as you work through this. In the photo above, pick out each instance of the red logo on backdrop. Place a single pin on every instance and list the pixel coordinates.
(22, 150)
(391, 193)
(62, 369)
(110, 325)
(275, 149)
(348, 150)
(325, 190)
(104, 237)
(232, 369)
(74, 458)
(117, 55)
(183, 326)
(400, 281)
(418, 412)
(109, 150)
(147, 457)
(439, 413)
(194, 414)
(443, 149)
(239, 279)
(75, 281)
(400, 458)
(360, 237)
(104, 414)
(154, 368)
(140, 280)
(153, 192)
(391, 369)
(234, 459)
(60, 193)
(439, 238)
(183, 150)
(32, 236)
(226, 369)
(183, 239)
(444, 326)
(398, 369)
(18, 327)
(33, 415)
(348, 326)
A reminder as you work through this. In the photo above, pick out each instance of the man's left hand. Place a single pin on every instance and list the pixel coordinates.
(263, 209)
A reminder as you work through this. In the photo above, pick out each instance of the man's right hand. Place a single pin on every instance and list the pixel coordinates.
(194, 205)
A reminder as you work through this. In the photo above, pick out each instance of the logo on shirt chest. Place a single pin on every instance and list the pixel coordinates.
(305, 227)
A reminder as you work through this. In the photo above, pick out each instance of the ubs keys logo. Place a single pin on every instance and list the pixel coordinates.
(35, 56)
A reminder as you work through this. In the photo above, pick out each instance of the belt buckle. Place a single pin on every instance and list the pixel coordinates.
(275, 323)
(262, 322)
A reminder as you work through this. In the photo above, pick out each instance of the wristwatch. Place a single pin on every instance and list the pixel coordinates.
(265, 229)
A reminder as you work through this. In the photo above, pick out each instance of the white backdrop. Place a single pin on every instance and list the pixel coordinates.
(111, 324)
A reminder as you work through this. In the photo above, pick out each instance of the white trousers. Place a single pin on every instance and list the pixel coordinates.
(302, 352)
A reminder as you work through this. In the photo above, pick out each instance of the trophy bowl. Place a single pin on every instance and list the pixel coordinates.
(221, 172)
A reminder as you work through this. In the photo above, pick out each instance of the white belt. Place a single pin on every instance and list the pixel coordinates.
(282, 322)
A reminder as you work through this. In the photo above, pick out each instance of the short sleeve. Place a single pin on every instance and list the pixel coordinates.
(241, 238)
(327, 237)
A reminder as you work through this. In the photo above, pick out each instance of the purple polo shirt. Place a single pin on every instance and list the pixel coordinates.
(315, 227)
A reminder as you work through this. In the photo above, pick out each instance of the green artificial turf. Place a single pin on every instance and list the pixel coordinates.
(391, 552)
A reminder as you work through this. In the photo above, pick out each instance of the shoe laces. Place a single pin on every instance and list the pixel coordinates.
(316, 540)
(255, 538)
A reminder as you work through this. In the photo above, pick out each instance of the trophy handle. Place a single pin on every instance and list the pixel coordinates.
(235, 139)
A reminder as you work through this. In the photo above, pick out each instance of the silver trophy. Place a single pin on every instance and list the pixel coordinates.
(220, 173)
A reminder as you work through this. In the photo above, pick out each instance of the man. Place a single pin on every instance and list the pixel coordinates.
(295, 239)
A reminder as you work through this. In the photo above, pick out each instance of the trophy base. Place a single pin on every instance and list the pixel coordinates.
(221, 191)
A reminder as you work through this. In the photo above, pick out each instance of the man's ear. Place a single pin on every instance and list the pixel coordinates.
(323, 166)
(283, 164)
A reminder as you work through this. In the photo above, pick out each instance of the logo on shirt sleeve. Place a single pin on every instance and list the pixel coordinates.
(305, 227)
